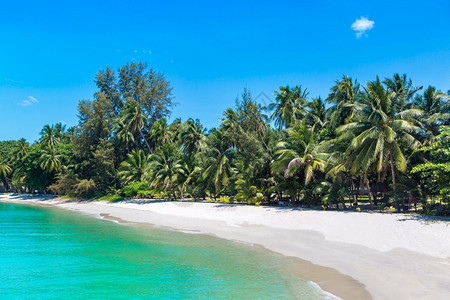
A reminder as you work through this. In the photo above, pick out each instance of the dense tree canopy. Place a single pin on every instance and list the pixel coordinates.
(386, 142)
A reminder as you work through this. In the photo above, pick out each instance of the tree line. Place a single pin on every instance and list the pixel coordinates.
(385, 143)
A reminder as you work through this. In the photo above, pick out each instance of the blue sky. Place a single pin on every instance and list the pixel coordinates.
(50, 51)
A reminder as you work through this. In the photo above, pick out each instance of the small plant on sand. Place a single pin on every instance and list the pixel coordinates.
(224, 200)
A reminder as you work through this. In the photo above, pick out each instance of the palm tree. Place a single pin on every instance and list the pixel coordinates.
(166, 166)
(50, 161)
(123, 134)
(160, 133)
(218, 161)
(382, 125)
(5, 171)
(135, 119)
(49, 136)
(436, 110)
(189, 173)
(192, 136)
(301, 152)
(317, 114)
(21, 149)
(288, 106)
(343, 95)
(135, 168)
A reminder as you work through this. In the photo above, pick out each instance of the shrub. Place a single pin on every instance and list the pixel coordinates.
(225, 200)
(111, 198)
(85, 187)
(137, 188)
(68, 184)
(65, 184)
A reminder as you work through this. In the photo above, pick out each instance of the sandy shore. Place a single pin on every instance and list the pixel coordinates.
(390, 256)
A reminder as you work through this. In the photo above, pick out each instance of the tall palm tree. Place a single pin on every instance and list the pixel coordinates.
(288, 106)
(302, 151)
(218, 168)
(160, 133)
(189, 173)
(21, 149)
(436, 109)
(135, 168)
(317, 113)
(192, 136)
(135, 119)
(49, 136)
(50, 161)
(5, 171)
(124, 135)
(343, 94)
(381, 127)
(166, 166)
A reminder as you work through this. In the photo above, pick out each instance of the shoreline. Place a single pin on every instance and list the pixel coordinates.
(356, 250)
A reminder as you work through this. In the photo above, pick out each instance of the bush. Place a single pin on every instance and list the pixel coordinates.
(225, 200)
(138, 188)
(68, 184)
(64, 185)
(111, 198)
(85, 187)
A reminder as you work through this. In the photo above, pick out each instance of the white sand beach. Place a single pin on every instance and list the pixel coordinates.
(394, 256)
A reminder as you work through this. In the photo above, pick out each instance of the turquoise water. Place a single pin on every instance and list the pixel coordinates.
(52, 253)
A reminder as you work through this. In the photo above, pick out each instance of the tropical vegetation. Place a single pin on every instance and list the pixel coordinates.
(375, 145)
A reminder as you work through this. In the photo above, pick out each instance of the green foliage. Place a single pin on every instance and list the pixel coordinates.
(111, 198)
(225, 200)
(85, 188)
(138, 188)
(248, 193)
(364, 140)
(435, 172)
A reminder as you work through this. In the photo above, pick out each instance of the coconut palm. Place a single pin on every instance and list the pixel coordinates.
(5, 171)
(123, 133)
(218, 161)
(166, 166)
(49, 136)
(192, 136)
(316, 114)
(343, 94)
(160, 133)
(135, 168)
(189, 174)
(288, 106)
(301, 152)
(50, 161)
(135, 119)
(382, 125)
(21, 149)
(436, 110)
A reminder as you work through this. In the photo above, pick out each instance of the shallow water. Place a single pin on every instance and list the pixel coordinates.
(53, 253)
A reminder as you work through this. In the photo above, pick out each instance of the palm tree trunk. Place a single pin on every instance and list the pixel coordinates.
(5, 183)
(397, 203)
(355, 197)
(368, 190)
(145, 140)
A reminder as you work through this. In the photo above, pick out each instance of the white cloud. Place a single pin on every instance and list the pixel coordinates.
(362, 25)
(29, 101)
